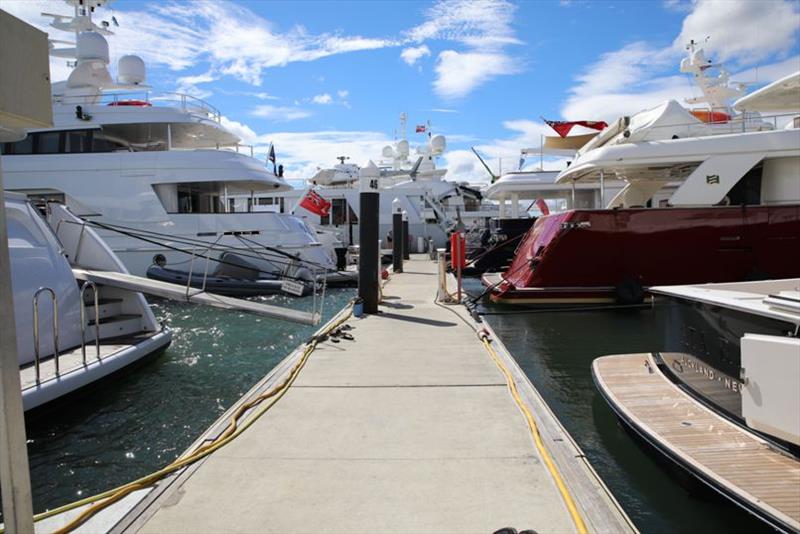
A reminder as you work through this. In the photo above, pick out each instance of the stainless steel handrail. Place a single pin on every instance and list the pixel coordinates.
(92, 285)
(187, 103)
(36, 360)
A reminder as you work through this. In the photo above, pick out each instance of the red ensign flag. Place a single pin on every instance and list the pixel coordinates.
(315, 204)
(542, 205)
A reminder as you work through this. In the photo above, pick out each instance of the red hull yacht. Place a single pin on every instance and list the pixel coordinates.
(734, 216)
(606, 256)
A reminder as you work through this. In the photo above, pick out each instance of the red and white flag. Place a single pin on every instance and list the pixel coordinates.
(542, 205)
(563, 127)
(421, 128)
(315, 204)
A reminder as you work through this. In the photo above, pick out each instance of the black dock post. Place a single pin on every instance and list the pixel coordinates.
(406, 237)
(369, 253)
(397, 240)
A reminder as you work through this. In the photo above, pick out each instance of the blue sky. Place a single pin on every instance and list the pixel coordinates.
(322, 79)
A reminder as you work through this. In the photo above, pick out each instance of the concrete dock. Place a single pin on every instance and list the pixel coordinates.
(409, 427)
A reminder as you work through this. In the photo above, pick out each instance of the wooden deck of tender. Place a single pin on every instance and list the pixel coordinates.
(736, 463)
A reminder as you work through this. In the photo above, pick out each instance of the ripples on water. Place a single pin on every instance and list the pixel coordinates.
(142, 420)
(555, 350)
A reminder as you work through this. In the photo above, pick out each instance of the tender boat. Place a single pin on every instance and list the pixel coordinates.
(721, 400)
(734, 216)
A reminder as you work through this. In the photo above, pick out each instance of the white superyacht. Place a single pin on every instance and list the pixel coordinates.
(154, 173)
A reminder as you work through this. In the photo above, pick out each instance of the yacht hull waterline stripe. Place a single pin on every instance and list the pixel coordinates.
(103, 500)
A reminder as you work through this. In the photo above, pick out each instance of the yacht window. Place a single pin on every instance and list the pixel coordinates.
(201, 197)
(20, 147)
(101, 144)
(78, 142)
(338, 207)
(49, 143)
(747, 191)
(265, 201)
(471, 204)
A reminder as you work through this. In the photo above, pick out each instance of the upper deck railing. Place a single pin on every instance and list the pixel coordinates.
(184, 102)
(742, 122)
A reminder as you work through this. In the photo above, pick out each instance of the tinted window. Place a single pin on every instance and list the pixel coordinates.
(48, 142)
(20, 147)
(78, 141)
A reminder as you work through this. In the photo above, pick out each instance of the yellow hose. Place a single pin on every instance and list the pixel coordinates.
(537, 438)
(102, 500)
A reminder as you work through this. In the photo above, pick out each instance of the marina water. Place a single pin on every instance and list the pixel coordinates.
(144, 418)
(555, 350)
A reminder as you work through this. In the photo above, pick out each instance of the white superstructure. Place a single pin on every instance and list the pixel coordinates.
(157, 171)
(433, 205)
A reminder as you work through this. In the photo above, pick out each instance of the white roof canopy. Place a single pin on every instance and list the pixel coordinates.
(781, 95)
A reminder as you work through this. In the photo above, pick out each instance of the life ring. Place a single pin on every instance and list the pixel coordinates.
(711, 117)
(140, 103)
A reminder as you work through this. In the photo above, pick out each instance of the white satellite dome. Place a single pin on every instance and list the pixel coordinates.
(131, 70)
(92, 46)
(387, 152)
(402, 148)
(438, 145)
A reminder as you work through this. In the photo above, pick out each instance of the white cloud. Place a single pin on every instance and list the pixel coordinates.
(280, 113)
(343, 93)
(245, 133)
(459, 73)
(680, 6)
(324, 98)
(502, 154)
(745, 31)
(443, 110)
(484, 28)
(302, 153)
(412, 54)
(232, 39)
(641, 75)
(624, 82)
(768, 73)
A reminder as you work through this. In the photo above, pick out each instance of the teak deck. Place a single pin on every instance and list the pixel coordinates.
(736, 463)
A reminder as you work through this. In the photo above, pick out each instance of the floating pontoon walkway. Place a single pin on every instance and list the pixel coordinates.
(736, 463)
(408, 427)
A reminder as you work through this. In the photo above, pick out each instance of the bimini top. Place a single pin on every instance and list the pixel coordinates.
(776, 299)
(781, 95)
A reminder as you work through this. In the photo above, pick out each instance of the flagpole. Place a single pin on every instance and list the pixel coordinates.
(294, 208)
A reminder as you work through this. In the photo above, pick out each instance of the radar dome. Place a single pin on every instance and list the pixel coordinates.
(438, 145)
(402, 148)
(131, 70)
(92, 45)
(387, 152)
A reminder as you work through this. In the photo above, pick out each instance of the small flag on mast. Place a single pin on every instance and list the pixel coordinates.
(421, 128)
(271, 157)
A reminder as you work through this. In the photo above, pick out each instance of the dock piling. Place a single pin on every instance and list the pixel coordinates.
(406, 237)
(368, 268)
(397, 231)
